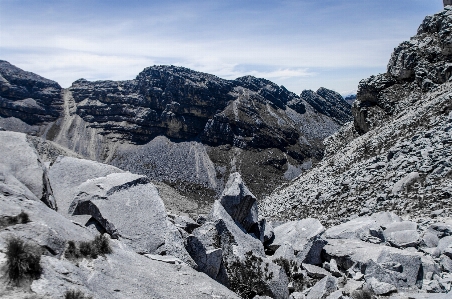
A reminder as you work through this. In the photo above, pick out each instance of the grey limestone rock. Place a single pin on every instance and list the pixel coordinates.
(315, 271)
(380, 288)
(175, 245)
(297, 233)
(239, 202)
(20, 160)
(66, 174)
(361, 228)
(399, 158)
(446, 263)
(336, 295)
(219, 243)
(183, 222)
(269, 232)
(111, 200)
(323, 288)
(402, 234)
(285, 252)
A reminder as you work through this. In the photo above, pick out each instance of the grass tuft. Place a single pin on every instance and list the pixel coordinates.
(23, 260)
(75, 294)
(99, 246)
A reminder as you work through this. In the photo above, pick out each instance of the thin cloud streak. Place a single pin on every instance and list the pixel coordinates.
(294, 43)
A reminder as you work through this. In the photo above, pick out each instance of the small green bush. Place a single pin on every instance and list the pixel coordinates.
(22, 218)
(23, 260)
(102, 245)
(72, 252)
(362, 294)
(247, 279)
(88, 250)
(99, 246)
(75, 294)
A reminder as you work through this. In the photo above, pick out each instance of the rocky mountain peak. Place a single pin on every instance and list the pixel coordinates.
(416, 67)
(28, 96)
(328, 102)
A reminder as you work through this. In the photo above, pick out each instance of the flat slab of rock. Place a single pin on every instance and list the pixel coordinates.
(323, 288)
(402, 234)
(379, 261)
(315, 271)
(362, 228)
(127, 206)
(381, 288)
(297, 233)
(66, 174)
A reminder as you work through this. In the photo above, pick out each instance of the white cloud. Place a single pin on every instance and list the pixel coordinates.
(118, 45)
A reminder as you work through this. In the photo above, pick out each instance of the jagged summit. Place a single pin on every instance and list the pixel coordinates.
(329, 103)
(180, 126)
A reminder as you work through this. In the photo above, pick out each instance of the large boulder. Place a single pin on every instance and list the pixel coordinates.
(19, 159)
(65, 176)
(304, 236)
(114, 199)
(402, 234)
(175, 244)
(362, 228)
(239, 202)
(401, 268)
(297, 233)
(46, 228)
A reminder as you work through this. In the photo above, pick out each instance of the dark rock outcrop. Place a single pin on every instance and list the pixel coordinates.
(27, 96)
(185, 128)
(416, 66)
(330, 103)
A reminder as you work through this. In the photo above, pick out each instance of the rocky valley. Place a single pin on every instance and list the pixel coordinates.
(180, 184)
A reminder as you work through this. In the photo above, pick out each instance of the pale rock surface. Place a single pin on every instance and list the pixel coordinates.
(111, 200)
(65, 176)
(402, 234)
(297, 233)
(323, 288)
(20, 160)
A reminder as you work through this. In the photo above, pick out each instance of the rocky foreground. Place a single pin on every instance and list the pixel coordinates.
(155, 254)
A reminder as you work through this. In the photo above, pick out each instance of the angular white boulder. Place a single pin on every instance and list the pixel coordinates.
(65, 176)
(297, 233)
(127, 206)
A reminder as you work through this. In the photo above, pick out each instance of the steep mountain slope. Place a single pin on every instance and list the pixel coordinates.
(186, 128)
(396, 155)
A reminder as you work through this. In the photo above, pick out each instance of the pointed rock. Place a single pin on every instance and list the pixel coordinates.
(239, 202)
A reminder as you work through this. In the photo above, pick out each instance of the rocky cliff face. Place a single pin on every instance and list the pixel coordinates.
(187, 128)
(27, 96)
(397, 154)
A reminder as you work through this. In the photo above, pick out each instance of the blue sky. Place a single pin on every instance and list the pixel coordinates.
(302, 44)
